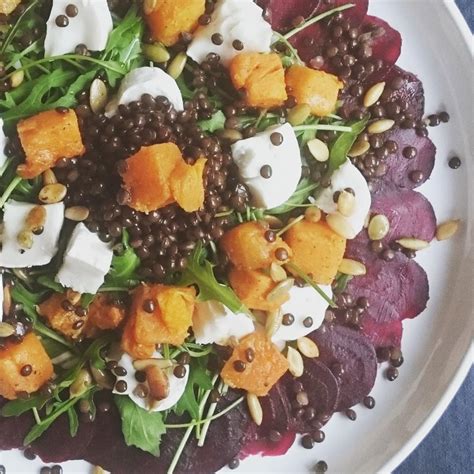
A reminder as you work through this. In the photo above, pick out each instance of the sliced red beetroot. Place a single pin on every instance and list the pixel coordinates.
(14, 429)
(277, 411)
(383, 334)
(402, 171)
(351, 357)
(282, 13)
(266, 447)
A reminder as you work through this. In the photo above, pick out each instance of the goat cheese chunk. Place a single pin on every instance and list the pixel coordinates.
(3, 144)
(347, 176)
(45, 245)
(146, 80)
(271, 172)
(176, 385)
(232, 20)
(90, 27)
(86, 261)
(215, 323)
(304, 303)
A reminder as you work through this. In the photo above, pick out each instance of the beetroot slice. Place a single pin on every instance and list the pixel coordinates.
(383, 334)
(399, 168)
(350, 353)
(281, 13)
(13, 429)
(265, 447)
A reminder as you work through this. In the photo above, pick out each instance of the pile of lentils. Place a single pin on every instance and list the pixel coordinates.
(163, 238)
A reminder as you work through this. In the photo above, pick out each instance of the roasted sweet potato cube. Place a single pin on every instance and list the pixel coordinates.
(147, 176)
(131, 346)
(7, 6)
(13, 357)
(103, 314)
(59, 311)
(247, 247)
(260, 375)
(317, 250)
(253, 287)
(169, 19)
(261, 76)
(46, 138)
(318, 89)
(187, 185)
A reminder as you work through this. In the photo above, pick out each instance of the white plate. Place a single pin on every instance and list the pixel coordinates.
(436, 345)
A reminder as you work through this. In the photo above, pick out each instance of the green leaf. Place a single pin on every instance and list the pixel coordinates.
(140, 428)
(73, 422)
(343, 144)
(48, 282)
(216, 122)
(200, 272)
(124, 266)
(18, 407)
(303, 192)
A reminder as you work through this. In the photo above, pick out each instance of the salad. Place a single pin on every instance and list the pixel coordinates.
(209, 225)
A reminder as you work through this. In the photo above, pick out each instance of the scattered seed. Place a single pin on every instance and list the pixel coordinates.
(307, 347)
(379, 227)
(380, 126)
(313, 214)
(77, 213)
(36, 219)
(340, 225)
(149, 6)
(373, 94)
(177, 65)
(413, 244)
(359, 148)
(49, 177)
(80, 384)
(7, 300)
(98, 95)
(255, 408)
(319, 150)
(280, 290)
(52, 193)
(448, 229)
(230, 134)
(157, 382)
(273, 322)
(6, 330)
(25, 239)
(156, 52)
(143, 364)
(346, 203)
(298, 114)
(295, 362)
(352, 267)
(277, 272)
(17, 78)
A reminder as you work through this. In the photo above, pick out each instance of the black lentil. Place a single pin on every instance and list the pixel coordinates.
(307, 442)
(308, 322)
(321, 466)
(149, 306)
(62, 21)
(266, 171)
(319, 436)
(72, 10)
(288, 319)
(391, 373)
(270, 236)
(43, 470)
(454, 162)
(417, 176)
(29, 454)
(444, 117)
(217, 39)
(120, 371)
(121, 386)
(26, 370)
(249, 355)
(281, 254)
(234, 464)
(410, 152)
(369, 402)
(238, 45)
(239, 366)
(276, 138)
(215, 396)
(56, 469)
(180, 371)
(78, 325)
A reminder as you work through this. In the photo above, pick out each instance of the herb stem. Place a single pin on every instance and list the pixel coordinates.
(290, 47)
(36, 415)
(290, 225)
(9, 190)
(310, 282)
(334, 128)
(180, 449)
(317, 18)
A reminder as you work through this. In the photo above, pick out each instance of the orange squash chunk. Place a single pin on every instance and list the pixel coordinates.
(61, 319)
(247, 247)
(187, 185)
(13, 357)
(103, 315)
(317, 250)
(260, 375)
(46, 138)
(252, 287)
(147, 176)
(261, 76)
(318, 89)
(170, 18)
(168, 323)
(7, 6)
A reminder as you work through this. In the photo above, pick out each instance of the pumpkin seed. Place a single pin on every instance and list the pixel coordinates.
(273, 322)
(158, 382)
(379, 227)
(149, 6)
(80, 384)
(280, 289)
(447, 229)
(359, 148)
(176, 66)
(295, 362)
(380, 126)
(102, 378)
(277, 272)
(49, 177)
(352, 267)
(98, 95)
(25, 239)
(230, 135)
(77, 213)
(36, 219)
(307, 347)
(145, 363)
(298, 114)
(17, 78)
(156, 52)
(73, 296)
(346, 203)
(413, 244)
(313, 214)
(340, 225)
(98, 470)
(52, 193)
(255, 408)
(6, 330)
(273, 222)
(319, 150)
(373, 94)
(7, 300)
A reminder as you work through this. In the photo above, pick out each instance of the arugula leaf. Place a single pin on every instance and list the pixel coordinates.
(124, 266)
(200, 272)
(19, 406)
(73, 422)
(303, 192)
(140, 428)
(343, 144)
(48, 282)
(216, 122)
